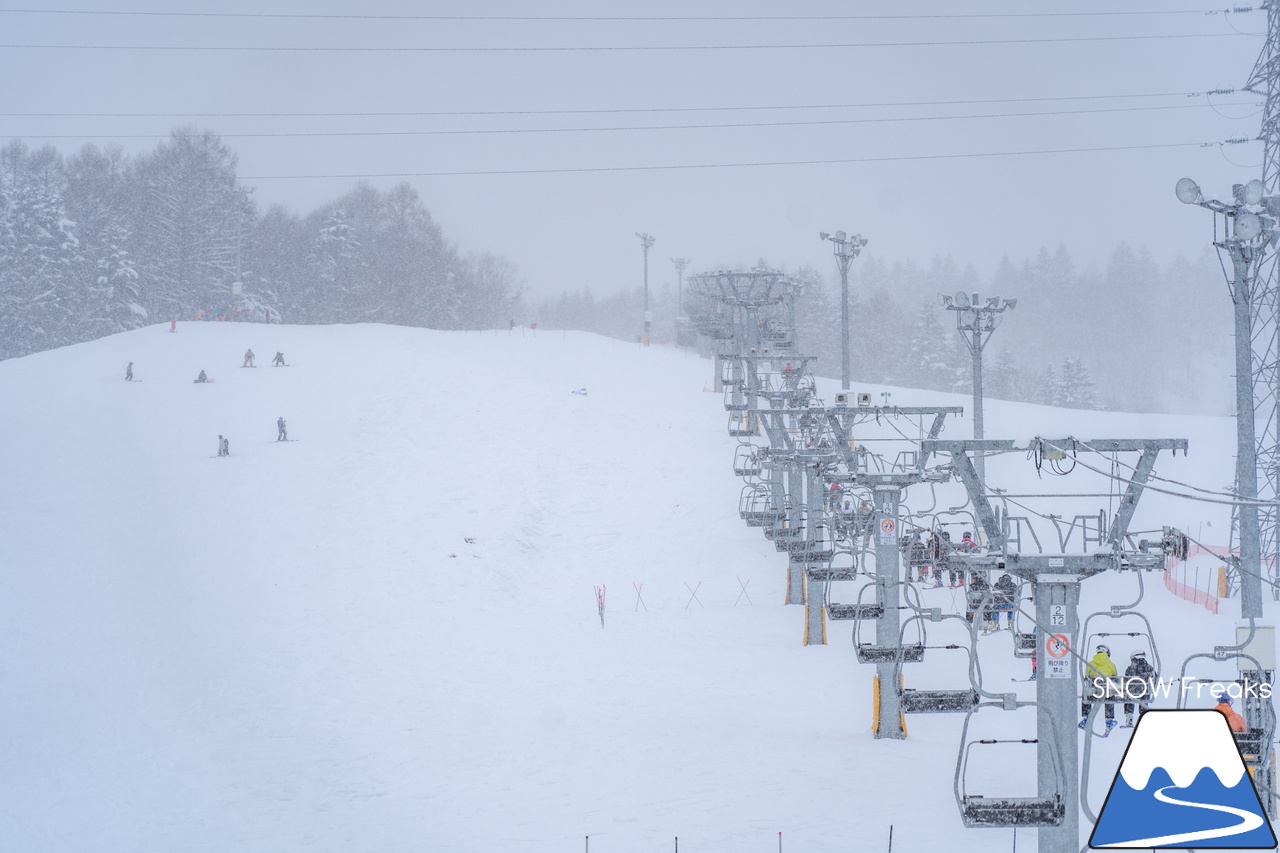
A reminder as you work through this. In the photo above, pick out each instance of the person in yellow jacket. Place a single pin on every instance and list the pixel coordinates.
(1099, 675)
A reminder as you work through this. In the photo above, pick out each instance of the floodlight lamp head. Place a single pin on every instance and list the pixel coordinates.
(962, 299)
(1252, 193)
(945, 300)
(840, 236)
(823, 235)
(1188, 191)
(1011, 303)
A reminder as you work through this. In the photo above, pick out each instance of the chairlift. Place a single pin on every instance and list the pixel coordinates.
(735, 400)
(746, 461)
(979, 812)
(888, 653)
(757, 508)
(1025, 636)
(1127, 642)
(939, 701)
(743, 423)
(831, 572)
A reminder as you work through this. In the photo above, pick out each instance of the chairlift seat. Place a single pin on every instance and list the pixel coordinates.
(852, 611)
(828, 573)
(870, 653)
(1251, 744)
(987, 812)
(937, 701)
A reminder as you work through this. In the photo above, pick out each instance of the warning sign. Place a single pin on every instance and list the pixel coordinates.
(887, 525)
(1056, 649)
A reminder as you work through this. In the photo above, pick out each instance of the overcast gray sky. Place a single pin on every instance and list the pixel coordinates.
(906, 115)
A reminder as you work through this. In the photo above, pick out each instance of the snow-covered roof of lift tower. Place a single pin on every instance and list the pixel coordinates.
(1183, 743)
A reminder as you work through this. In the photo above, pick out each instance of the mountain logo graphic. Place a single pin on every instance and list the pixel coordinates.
(1182, 784)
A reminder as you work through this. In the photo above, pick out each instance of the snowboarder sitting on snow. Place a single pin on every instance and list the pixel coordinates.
(279, 360)
(248, 358)
(1098, 674)
(1234, 720)
(1006, 598)
(201, 378)
(284, 433)
(128, 373)
(1139, 668)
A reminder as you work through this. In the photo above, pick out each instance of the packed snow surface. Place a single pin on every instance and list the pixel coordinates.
(383, 635)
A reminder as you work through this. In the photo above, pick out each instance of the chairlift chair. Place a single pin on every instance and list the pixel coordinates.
(1137, 640)
(979, 812)
(888, 653)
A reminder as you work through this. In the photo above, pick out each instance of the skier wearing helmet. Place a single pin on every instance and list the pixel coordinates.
(1223, 707)
(1098, 676)
(1139, 685)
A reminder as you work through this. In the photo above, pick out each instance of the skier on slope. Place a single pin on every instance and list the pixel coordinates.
(283, 433)
(248, 358)
(226, 447)
(1099, 672)
(1139, 668)
(279, 360)
(1234, 720)
(221, 442)
(128, 373)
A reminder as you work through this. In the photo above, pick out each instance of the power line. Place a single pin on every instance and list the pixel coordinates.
(613, 48)
(616, 111)
(692, 166)
(629, 128)
(607, 18)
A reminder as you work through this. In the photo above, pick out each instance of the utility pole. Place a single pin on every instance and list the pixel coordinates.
(846, 249)
(646, 241)
(1245, 242)
(976, 321)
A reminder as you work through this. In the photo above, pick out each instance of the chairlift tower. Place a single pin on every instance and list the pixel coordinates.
(888, 653)
(1247, 236)
(1055, 580)
(1264, 304)
(976, 321)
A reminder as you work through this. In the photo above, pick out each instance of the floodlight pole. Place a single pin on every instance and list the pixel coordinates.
(975, 322)
(646, 241)
(846, 249)
(680, 264)
(1246, 240)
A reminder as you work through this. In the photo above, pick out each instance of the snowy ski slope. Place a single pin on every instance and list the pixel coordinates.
(297, 648)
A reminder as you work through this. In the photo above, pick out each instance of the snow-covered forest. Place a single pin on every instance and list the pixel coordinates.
(1168, 324)
(98, 243)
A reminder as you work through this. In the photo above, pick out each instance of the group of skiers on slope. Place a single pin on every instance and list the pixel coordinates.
(1137, 687)
(224, 444)
(249, 357)
(282, 434)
